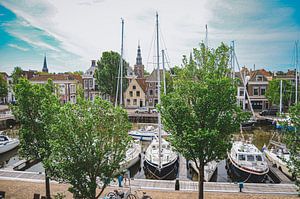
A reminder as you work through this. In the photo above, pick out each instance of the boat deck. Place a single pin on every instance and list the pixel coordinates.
(169, 185)
(277, 173)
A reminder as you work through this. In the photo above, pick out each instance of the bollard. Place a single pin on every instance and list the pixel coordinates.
(241, 186)
(177, 185)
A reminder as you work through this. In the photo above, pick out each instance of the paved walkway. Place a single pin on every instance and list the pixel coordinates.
(257, 188)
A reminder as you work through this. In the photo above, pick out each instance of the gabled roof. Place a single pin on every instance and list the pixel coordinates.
(142, 83)
(266, 74)
(56, 77)
(153, 76)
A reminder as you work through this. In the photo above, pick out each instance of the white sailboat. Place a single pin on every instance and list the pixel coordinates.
(133, 155)
(147, 133)
(134, 149)
(161, 161)
(209, 169)
(279, 155)
(7, 143)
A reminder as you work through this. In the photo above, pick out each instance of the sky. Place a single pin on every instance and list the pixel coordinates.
(73, 32)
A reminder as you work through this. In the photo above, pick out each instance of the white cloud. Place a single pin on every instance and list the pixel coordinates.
(88, 27)
(18, 47)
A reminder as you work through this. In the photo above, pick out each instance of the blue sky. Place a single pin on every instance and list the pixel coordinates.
(72, 32)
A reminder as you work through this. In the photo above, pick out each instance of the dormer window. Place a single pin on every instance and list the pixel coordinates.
(259, 78)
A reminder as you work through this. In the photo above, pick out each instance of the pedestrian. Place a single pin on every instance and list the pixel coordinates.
(120, 179)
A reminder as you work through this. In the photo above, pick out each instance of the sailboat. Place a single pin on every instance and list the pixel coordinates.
(134, 149)
(161, 161)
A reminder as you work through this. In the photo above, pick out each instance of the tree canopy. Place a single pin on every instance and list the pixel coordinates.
(107, 73)
(3, 86)
(36, 108)
(92, 141)
(16, 75)
(201, 111)
(273, 92)
(293, 143)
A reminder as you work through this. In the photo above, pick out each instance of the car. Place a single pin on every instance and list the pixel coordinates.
(141, 110)
(154, 111)
(271, 112)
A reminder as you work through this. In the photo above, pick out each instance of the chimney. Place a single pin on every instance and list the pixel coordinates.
(93, 63)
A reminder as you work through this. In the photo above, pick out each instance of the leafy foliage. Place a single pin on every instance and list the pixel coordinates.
(201, 111)
(35, 108)
(107, 73)
(293, 143)
(3, 86)
(92, 141)
(273, 92)
(17, 74)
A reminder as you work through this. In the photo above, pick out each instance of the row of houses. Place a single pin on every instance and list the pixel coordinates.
(257, 84)
(142, 89)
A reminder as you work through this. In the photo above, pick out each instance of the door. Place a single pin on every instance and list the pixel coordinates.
(141, 103)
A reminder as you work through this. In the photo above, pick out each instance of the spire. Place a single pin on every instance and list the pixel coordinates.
(45, 68)
(139, 56)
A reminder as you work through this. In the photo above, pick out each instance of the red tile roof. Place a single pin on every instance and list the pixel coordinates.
(56, 77)
(142, 83)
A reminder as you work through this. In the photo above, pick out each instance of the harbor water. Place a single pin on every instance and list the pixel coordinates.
(260, 135)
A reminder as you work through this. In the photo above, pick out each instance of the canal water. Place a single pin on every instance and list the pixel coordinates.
(260, 135)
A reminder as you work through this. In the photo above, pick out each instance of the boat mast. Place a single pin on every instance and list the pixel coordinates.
(244, 100)
(164, 71)
(206, 36)
(280, 105)
(121, 64)
(158, 92)
(120, 71)
(296, 75)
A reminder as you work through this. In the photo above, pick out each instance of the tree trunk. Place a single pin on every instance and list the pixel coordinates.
(47, 181)
(200, 181)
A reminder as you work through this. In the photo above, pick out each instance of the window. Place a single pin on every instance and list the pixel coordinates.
(73, 88)
(133, 87)
(138, 93)
(151, 92)
(156, 91)
(62, 89)
(130, 80)
(241, 91)
(255, 90)
(262, 90)
(91, 83)
(134, 101)
(86, 84)
(258, 158)
(259, 78)
(250, 158)
(242, 157)
(128, 101)
(130, 93)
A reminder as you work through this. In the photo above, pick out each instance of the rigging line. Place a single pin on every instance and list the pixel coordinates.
(151, 44)
(165, 47)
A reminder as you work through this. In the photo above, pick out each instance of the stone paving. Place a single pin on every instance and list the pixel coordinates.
(258, 188)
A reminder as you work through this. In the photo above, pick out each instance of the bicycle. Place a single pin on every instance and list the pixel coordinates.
(136, 195)
(116, 194)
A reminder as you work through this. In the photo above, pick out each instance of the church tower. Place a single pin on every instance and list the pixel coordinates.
(45, 68)
(139, 67)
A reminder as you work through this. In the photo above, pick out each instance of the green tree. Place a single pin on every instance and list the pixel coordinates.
(201, 112)
(107, 73)
(293, 143)
(3, 86)
(36, 108)
(273, 92)
(92, 141)
(17, 74)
